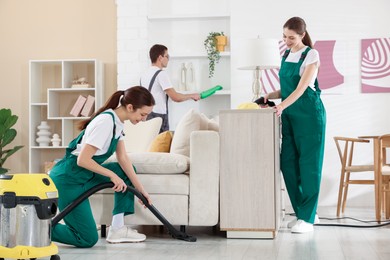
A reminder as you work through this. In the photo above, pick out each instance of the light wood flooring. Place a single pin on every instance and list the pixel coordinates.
(326, 242)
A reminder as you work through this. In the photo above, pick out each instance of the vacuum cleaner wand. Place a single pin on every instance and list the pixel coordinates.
(172, 230)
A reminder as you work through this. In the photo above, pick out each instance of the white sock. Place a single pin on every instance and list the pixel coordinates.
(118, 221)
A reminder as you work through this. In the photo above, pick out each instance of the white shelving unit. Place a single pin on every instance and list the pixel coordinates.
(170, 24)
(194, 55)
(51, 99)
(188, 17)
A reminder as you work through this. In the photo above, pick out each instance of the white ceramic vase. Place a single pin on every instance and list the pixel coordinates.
(183, 77)
(56, 140)
(191, 85)
(43, 134)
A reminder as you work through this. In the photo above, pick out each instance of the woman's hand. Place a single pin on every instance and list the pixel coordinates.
(147, 197)
(119, 184)
(279, 109)
(266, 98)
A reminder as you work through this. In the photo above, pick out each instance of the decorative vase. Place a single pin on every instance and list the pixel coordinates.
(191, 85)
(43, 134)
(221, 42)
(183, 77)
(56, 140)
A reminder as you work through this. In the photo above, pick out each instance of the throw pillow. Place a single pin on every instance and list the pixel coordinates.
(181, 138)
(208, 124)
(138, 137)
(162, 143)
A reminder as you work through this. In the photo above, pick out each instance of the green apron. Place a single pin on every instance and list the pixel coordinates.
(71, 181)
(303, 138)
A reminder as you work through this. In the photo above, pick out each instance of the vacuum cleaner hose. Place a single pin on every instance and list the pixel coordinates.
(172, 230)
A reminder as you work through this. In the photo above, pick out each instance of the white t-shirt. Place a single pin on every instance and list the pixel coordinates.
(311, 57)
(99, 132)
(161, 84)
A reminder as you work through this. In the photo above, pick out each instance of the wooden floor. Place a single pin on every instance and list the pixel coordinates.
(326, 242)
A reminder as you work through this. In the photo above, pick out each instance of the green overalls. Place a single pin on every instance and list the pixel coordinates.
(71, 181)
(303, 138)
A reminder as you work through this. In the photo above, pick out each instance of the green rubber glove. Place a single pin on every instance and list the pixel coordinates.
(210, 92)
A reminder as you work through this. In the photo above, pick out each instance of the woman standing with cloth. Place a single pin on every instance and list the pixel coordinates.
(83, 167)
(303, 124)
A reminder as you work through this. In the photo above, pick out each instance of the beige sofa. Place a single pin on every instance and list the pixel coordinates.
(183, 184)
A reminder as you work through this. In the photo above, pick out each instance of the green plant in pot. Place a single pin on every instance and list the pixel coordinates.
(7, 135)
(213, 54)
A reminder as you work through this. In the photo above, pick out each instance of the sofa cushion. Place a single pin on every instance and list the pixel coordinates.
(178, 184)
(162, 143)
(173, 184)
(181, 138)
(173, 207)
(159, 163)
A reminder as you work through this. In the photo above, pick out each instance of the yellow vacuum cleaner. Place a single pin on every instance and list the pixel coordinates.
(28, 202)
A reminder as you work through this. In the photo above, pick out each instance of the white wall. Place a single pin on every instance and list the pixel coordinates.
(131, 41)
(349, 113)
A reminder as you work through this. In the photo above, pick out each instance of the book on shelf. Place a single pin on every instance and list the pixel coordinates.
(80, 86)
(78, 106)
(89, 106)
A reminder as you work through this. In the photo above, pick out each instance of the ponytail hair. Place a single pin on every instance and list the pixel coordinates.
(137, 96)
(298, 25)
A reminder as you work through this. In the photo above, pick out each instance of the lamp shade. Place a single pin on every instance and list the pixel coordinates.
(259, 54)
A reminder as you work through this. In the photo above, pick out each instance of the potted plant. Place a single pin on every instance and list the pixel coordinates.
(213, 55)
(7, 135)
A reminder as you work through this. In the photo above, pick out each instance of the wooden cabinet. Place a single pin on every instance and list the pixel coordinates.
(52, 98)
(250, 179)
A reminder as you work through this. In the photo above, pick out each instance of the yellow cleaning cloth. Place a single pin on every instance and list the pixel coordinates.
(248, 105)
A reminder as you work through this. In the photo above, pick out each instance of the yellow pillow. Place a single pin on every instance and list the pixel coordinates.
(162, 143)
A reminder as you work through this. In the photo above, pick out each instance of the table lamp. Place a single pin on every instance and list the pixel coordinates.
(257, 55)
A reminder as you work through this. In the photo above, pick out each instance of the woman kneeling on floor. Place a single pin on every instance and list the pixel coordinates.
(83, 167)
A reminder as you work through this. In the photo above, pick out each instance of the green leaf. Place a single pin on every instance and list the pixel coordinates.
(11, 121)
(3, 170)
(7, 120)
(2, 131)
(10, 152)
(4, 114)
(8, 137)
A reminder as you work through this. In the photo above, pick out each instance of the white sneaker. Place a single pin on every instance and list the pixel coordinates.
(294, 221)
(316, 220)
(302, 227)
(124, 235)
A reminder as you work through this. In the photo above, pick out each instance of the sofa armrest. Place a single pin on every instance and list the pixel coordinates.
(204, 178)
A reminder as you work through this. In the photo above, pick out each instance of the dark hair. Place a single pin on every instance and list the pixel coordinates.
(156, 51)
(298, 25)
(136, 96)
